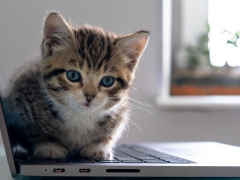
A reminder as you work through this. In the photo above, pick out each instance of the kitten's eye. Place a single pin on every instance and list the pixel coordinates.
(73, 76)
(107, 81)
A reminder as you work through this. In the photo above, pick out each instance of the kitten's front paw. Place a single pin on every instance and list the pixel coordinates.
(50, 150)
(96, 152)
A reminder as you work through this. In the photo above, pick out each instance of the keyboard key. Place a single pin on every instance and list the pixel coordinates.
(161, 155)
(125, 158)
(179, 161)
(108, 161)
(155, 161)
(176, 160)
(84, 161)
(146, 158)
(132, 161)
(171, 158)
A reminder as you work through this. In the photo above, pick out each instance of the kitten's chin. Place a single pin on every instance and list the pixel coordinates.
(86, 109)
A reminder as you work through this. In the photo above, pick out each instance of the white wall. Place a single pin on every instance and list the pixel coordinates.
(21, 23)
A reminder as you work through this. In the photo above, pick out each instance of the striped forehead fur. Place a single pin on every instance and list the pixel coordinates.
(94, 45)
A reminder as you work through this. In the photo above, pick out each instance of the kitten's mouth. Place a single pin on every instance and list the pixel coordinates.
(87, 105)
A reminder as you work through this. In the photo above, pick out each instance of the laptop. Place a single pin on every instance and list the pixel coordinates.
(172, 159)
(179, 159)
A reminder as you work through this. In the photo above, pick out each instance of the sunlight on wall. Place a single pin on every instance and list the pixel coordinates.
(224, 15)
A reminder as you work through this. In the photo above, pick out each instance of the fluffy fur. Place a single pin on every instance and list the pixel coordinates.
(52, 116)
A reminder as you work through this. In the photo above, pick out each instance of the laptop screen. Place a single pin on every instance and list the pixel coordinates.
(6, 133)
(2, 83)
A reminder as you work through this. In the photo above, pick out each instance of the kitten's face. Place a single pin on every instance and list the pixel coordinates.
(70, 81)
(88, 69)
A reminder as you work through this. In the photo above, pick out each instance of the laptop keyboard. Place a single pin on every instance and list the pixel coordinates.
(134, 154)
(126, 154)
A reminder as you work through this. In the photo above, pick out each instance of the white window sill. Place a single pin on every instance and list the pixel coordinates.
(199, 102)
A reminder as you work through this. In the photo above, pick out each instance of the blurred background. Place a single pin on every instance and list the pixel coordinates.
(21, 32)
(205, 53)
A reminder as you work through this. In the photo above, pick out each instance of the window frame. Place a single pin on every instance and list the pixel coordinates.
(165, 99)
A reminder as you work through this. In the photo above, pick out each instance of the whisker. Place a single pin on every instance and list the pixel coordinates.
(135, 89)
(131, 112)
(127, 130)
(132, 92)
(138, 107)
(135, 124)
(141, 103)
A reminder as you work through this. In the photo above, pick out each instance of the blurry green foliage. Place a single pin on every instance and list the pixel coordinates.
(199, 52)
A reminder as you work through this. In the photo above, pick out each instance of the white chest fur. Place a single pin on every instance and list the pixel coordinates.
(78, 127)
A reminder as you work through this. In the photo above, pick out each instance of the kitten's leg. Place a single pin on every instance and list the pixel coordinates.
(50, 150)
(97, 151)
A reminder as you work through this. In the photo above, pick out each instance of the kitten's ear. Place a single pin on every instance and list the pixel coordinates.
(56, 34)
(132, 46)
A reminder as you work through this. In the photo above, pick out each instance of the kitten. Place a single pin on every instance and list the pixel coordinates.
(75, 97)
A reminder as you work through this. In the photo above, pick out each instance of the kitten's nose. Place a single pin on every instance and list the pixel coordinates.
(89, 97)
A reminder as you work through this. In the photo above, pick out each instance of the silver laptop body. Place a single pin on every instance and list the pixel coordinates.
(209, 159)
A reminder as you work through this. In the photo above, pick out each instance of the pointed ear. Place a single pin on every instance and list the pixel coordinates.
(56, 34)
(133, 46)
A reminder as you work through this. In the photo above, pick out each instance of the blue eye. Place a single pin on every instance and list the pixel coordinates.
(73, 76)
(107, 81)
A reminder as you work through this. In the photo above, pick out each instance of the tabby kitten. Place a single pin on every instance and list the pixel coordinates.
(75, 97)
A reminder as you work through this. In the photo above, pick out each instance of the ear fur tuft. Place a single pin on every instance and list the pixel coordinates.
(133, 46)
(56, 33)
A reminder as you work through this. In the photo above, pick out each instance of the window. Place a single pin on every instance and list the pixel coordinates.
(223, 19)
(201, 57)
